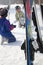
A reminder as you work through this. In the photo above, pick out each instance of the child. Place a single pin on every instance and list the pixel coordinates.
(5, 27)
(20, 16)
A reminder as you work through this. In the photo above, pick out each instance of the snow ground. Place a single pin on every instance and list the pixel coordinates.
(38, 59)
(11, 55)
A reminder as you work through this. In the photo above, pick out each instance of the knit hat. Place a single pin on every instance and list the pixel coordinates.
(3, 12)
(17, 7)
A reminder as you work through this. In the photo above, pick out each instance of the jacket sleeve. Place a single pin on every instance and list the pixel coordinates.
(10, 27)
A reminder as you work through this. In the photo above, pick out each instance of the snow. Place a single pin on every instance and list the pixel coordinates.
(38, 58)
(11, 55)
(2, 6)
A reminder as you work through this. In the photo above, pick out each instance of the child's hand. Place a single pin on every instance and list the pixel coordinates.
(12, 27)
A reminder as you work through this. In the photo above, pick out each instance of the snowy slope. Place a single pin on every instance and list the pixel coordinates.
(11, 55)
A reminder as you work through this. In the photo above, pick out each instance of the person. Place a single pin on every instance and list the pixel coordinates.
(5, 27)
(20, 16)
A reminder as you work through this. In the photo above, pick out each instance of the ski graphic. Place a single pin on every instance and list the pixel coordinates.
(28, 7)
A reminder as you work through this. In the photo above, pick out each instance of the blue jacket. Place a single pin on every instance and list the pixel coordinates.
(5, 30)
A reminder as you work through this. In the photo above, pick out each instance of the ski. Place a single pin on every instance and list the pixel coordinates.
(28, 8)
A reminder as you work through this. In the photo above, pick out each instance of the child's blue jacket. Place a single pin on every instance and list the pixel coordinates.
(5, 28)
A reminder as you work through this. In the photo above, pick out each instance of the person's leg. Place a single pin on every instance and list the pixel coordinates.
(12, 39)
